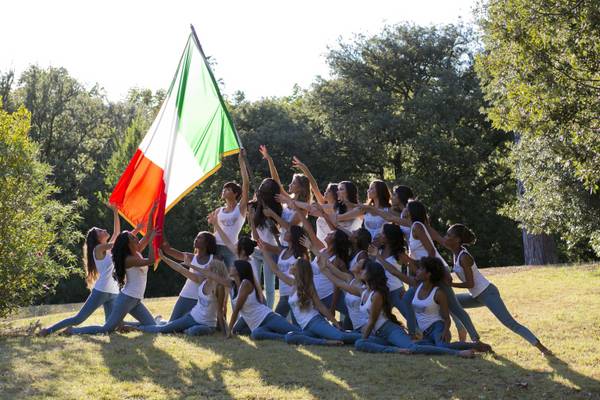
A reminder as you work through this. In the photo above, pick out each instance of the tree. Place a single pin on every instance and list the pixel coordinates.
(404, 105)
(540, 73)
(36, 231)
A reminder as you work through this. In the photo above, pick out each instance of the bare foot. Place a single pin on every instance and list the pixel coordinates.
(334, 343)
(466, 353)
(483, 347)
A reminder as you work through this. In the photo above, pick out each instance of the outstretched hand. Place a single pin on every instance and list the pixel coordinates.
(296, 163)
(212, 218)
(263, 150)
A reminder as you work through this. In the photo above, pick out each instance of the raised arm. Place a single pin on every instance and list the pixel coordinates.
(245, 183)
(272, 169)
(269, 261)
(116, 223)
(133, 261)
(389, 216)
(275, 217)
(174, 265)
(316, 243)
(149, 227)
(350, 215)
(311, 179)
(330, 273)
(174, 253)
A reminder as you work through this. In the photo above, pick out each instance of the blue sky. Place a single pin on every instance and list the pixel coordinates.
(261, 47)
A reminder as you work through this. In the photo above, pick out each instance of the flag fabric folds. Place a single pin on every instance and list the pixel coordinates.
(192, 132)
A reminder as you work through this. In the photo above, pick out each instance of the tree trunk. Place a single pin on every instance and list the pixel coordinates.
(539, 249)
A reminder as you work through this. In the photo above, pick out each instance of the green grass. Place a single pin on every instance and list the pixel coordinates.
(560, 304)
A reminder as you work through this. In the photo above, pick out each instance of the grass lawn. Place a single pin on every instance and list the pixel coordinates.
(561, 305)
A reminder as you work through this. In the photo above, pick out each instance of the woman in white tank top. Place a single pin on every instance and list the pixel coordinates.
(205, 247)
(481, 291)
(130, 271)
(207, 314)
(99, 274)
(231, 217)
(306, 308)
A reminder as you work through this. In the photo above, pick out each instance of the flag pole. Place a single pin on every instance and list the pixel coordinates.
(197, 42)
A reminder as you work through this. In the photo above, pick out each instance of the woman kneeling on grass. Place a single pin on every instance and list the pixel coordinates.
(130, 272)
(306, 305)
(246, 303)
(207, 314)
(388, 335)
(482, 291)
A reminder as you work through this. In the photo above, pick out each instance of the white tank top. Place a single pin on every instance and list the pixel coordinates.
(190, 288)
(253, 311)
(416, 250)
(354, 260)
(480, 283)
(350, 225)
(231, 223)
(105, 283)
(135, 282)
(323, 229)
(358, 316)
(374, 223)
(286, 215)
(303, 316)
(393, 282)
(265, 234)
(323, 285)
(205, 310)
(365, 307)
(284, 266)
(427, 310)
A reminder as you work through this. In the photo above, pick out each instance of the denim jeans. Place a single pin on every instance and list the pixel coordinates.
(283, 308)
(459, 313)
(273, 327)
(390, 337)
(318, 331)
(94, 300)
(123, 305)
(269, 276)
(432, 336)
(183, 324)
(226, 255)
(182, 307)
(490, 298)
(397, 300)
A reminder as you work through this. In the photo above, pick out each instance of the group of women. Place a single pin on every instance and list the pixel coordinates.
(338, 282)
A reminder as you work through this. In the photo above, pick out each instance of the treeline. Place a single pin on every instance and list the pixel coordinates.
(405, 105)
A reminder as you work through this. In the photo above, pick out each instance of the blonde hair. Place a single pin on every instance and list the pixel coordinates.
(218, 267)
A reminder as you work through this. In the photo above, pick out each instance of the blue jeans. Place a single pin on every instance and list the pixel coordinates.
(283, 308)
(94, 300)
(432, 336)
(397, 299)
(182, 307)
(318, 331)
(391, 336)
(185, 324)
(273, 327)
(269, 276)
(459, 313)
(123, 305)
(241, 328)
(490, 298)
(340, 306)
(226, 255)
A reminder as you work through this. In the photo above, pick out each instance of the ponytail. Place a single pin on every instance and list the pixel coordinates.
(89, 263)
(464, 234)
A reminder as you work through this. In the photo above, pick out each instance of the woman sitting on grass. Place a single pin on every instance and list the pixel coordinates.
(482, 291)
(207, 314)
(99, 274)
(383, 333)
(130, 272)
(308, 310)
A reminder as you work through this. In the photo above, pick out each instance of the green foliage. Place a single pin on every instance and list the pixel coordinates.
(36, 231)
(540, 73)
(404, 106)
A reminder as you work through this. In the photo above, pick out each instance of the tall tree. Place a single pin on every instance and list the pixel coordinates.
(540, 72)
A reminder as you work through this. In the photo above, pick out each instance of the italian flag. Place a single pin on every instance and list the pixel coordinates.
(185, 144)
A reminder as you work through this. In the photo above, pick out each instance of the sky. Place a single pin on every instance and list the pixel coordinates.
(261, 47)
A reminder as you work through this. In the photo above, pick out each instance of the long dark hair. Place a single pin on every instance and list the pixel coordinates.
(383, 193)
(418, 212)
(91, 241)
(265, 196)
(333, 188)
(120, 252)
(464, 234)
(341, 246)
(395, 239)
(210, 242)
(244, 270)
(246, 245)
(363, 239)
(296, 233)
(304, 282)
(351, 194)
(434, 266)
(377, 282)
(404, 194)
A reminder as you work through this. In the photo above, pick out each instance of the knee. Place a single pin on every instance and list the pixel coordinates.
(291, 337)
(361, 345)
